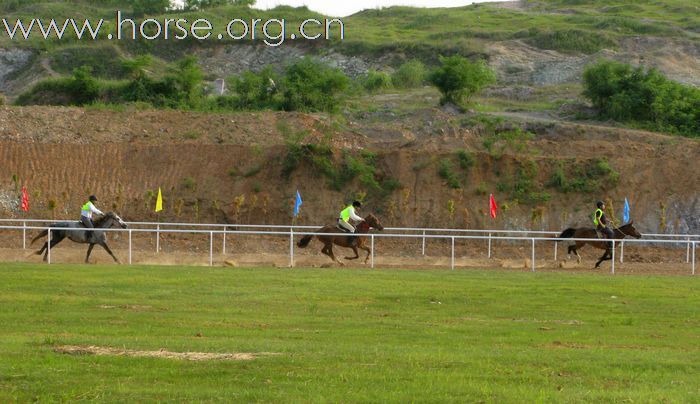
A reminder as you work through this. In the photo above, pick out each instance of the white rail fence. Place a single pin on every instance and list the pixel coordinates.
(291, 233)
(489, 235)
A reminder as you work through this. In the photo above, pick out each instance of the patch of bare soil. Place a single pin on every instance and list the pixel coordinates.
(191, 356)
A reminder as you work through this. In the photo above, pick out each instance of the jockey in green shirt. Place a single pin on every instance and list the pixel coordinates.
(347, 215)
(601, 222)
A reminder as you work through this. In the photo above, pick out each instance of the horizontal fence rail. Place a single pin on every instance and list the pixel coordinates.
(291, 233)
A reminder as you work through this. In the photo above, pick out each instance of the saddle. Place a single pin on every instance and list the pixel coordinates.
(352, 239)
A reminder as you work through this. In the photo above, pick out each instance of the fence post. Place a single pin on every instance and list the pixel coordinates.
(533, 255)
(158, 239)
(211, 248)
(223, 248)
(453, 254)
(687, 251)
(622, 251)
(612, 266)
(489, 245)
(693, 257)
(423, 250)
(24, 235)
(556, 247)
(129, 246)
(291, 247)
(48, 246)
(372, 250)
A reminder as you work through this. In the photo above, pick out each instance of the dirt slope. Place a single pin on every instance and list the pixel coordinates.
(227, 168)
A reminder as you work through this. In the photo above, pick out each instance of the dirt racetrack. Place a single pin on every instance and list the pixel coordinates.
(259, 251)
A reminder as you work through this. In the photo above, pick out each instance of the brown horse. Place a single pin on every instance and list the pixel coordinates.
(350, 240)
(619, 234)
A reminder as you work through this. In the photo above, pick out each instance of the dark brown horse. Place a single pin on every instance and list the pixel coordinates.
(76, 231)
(350, 240)
(619, 233)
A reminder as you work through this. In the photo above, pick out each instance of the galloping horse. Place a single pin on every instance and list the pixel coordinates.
(76, 232)
(619, 234)
(351, 240)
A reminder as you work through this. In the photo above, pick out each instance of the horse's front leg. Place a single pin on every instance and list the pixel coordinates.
(357, 254)
(369, 251)
(104, 245)
(606, 256)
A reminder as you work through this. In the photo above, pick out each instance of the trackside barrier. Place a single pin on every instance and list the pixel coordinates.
(686, 239)
(291, 233)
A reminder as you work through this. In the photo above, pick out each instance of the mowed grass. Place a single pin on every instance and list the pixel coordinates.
(348, 335)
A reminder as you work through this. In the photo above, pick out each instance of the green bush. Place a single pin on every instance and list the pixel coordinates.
(591, 176)
(256, 90)
(411, 74)
(458, 78)
(310, 86)
(628, 94)
(445, 171)
(376, 81)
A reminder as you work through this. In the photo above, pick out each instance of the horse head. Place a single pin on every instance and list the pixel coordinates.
(372, 221)
(629, 230)
(110, 219)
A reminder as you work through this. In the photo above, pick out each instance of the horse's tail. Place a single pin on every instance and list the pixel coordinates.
(305, 241)
(568, 233)
(40, 235)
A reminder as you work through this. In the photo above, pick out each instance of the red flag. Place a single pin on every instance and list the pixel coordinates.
(492, 206)
(25, 200)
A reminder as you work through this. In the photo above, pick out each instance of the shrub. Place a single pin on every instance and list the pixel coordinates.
(628, 94)
(256, 90)
(445, 172)
(458, 78)
(409, 75)
(310, 86)
(376, 81)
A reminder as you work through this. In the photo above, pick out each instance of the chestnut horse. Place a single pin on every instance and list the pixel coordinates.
(587, 232)
(351, 240)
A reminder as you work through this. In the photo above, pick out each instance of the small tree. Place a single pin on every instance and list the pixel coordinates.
(458, 79)
(83, 87)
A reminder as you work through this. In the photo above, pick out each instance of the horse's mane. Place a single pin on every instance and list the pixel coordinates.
(102, 219)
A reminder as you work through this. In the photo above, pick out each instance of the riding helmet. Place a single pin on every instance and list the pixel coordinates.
(92, 198)
(600, 204)
(357, 204)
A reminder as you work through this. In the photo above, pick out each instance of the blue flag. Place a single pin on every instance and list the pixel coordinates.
(626, 212)
(297, 204)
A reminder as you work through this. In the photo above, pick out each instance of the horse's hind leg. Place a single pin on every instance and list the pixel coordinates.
(53, 244)
(41, 250)
(89, 251)
(330, 254)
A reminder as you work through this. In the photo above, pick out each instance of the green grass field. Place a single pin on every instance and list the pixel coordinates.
(348, 335)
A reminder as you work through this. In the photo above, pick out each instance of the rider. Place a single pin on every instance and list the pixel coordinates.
(87, 210)
(348, 214)
(601, 222)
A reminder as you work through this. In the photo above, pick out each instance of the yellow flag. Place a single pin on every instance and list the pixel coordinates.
(159, 201)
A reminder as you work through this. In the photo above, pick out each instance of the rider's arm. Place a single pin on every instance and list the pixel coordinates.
(354, 216)
(96, 211)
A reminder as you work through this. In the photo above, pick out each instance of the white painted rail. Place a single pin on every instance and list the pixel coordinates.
(291, 233)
